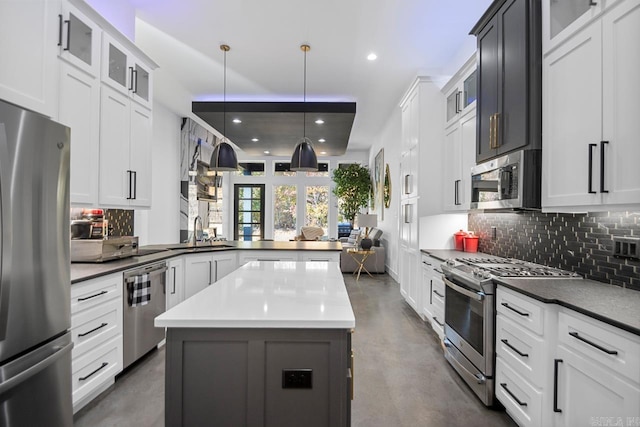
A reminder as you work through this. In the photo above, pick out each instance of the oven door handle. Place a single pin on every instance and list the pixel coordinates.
(479, 378)
(479, 296)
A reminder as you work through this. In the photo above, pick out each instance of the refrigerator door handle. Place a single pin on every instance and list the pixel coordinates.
(6, 235)
(23, 376)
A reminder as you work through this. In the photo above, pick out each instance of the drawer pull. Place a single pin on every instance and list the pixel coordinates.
(92, 296)
(510, 393)
(514, 349)
(438, 293)
(93, 330)
(591, 343)
(94, 372)
(435, 319)
(521, 313)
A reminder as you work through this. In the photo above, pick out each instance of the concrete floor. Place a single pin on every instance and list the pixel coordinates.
(401, 376)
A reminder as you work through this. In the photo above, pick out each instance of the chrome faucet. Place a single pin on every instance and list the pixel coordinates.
(195, 229)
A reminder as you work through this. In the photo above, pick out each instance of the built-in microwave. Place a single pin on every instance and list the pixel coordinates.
(512, 181)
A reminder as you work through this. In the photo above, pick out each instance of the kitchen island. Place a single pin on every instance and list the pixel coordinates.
(269, 344)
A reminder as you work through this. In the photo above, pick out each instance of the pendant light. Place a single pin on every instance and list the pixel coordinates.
(224, 157)
(304, 158)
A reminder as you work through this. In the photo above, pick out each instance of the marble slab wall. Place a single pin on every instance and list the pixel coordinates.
(578, 242)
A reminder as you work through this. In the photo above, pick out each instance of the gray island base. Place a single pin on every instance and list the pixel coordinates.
(268, 345)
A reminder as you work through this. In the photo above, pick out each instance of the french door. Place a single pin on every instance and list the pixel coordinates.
(248, 212)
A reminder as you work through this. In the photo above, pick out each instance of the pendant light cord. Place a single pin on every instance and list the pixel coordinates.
(304, 112)
(224, 97)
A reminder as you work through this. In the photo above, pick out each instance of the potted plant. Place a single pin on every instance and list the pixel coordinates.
(352, 188)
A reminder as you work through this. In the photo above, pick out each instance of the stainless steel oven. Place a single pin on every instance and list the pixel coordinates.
(469, 329)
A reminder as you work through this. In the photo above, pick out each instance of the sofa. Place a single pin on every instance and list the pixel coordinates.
(375, 263)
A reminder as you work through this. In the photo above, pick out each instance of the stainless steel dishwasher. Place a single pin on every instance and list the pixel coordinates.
(139, 334)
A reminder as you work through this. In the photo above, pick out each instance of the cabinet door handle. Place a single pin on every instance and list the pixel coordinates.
(68, 22)
(591, 343)
(174, 281)
(407, 184)
(521, 354)
(435, 319)
(555, 385)
(491, 117)
(438, 293)
(130, 78)
(135, 184)
(430, 291)
(210, 272)
(458, 102)
(84, 334)
(60, 21)
(521, 313)
(602, 144)
(129, 178)
(94, 372)
(134, 80)
(510, 393)
(407, 214)
(496, 131)
(92, 296)
(456, 193)
(592, 3)
(590, 180)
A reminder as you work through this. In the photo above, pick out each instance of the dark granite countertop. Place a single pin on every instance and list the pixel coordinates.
(86, 271)
(609, 303)
(445, 254)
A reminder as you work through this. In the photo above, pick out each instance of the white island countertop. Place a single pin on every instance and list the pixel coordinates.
(269, 294)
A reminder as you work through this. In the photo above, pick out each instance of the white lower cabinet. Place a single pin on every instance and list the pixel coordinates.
(557, 367)
(433, 296)
(175, 282)
(96, 330)
(204, 269)
(589, 394)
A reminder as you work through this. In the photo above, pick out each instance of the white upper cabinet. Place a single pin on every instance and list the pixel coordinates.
(29, 37)
(562, 19)
(461, 98)
(79, 40)
(590, 112)
(125, 72)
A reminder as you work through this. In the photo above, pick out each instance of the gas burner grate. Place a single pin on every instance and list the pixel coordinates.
(528, 271)
(485, 260)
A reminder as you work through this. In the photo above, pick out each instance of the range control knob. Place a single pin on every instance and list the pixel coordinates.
(486, 275)
(451, 261)
(476, 272)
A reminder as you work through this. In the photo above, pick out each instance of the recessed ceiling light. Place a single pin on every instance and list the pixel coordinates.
(322, 140)
(323, 152)
(237, 121)
(265, 152)
(255, 139)
(372, 56)
(319, 121)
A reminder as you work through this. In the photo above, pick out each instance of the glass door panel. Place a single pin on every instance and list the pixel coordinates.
(564, 12)
(80, 39)
(117, 66)
(249, 212)
(284, 212)
(470, 90)
(142, 83)
(317, 207)
(452, 105)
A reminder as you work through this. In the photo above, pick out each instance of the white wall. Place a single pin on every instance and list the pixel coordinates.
(120, 13)
(390, 139)
(161, 224)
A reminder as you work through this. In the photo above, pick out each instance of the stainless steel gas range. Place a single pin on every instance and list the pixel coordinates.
(469, 330)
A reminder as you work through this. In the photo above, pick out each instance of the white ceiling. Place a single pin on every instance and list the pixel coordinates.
(410, 37)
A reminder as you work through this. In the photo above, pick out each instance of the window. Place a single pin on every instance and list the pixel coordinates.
(323, 170)
(317, 207)
(283, 169)
(251, 169)
(249, 212)
(284, 212)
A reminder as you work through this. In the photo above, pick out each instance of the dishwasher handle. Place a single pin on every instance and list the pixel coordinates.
(150, 270)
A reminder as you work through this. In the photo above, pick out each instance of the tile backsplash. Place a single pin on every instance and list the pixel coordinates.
(578, 242)
(121, 220)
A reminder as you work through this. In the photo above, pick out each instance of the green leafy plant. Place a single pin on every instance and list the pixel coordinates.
(353, 188)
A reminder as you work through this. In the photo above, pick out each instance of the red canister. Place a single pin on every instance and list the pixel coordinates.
(458, 238)
(471, 243)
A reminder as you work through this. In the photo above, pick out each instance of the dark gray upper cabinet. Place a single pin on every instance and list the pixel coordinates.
(509, 106)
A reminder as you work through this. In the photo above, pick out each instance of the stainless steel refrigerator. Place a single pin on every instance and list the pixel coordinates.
(35, 342)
